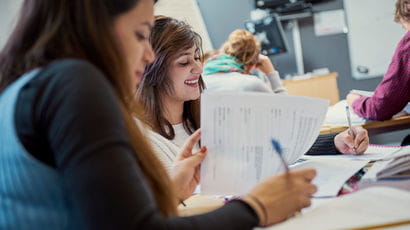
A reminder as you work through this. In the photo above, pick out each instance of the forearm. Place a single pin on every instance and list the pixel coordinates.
(276, 83)
(324, 145)
(374, 108)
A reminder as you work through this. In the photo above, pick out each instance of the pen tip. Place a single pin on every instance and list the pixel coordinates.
(277, 146)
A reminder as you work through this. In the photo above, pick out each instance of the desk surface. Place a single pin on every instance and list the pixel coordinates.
(374, 127)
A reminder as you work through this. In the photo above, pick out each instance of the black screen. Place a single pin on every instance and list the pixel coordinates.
(270, 33)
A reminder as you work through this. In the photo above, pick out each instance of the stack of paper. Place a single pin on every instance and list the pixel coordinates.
(237, 129)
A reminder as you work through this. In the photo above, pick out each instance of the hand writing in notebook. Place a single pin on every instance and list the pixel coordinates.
(352, 144)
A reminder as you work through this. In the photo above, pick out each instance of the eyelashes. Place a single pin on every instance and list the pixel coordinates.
(140, 36)
(188, 62)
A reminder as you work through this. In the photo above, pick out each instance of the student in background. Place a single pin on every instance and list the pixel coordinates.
(171, 87)
(209, 54)
(393, 93)
(72, 156)
(230, 69)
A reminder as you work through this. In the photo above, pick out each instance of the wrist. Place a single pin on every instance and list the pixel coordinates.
(269, 71)
(258, 207)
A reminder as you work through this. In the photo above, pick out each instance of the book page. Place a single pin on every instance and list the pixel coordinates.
(237, 129)
(362, 92)
(332, 173)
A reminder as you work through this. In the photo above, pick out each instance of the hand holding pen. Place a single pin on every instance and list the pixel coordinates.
(354, 140)
(278, 148)
(281, 196)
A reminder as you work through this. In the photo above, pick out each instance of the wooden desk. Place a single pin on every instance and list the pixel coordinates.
(324, 86)
(375, 127)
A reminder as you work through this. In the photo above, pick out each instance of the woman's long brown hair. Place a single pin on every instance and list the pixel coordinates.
(168, 38)
(49, 30)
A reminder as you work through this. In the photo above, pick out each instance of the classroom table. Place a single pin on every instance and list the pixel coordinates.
(374, 127)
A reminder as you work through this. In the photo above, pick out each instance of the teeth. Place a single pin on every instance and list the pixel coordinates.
(191, 82)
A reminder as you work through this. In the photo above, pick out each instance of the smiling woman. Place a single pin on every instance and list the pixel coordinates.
(172, 84)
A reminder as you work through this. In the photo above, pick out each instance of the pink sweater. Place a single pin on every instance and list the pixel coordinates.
(393, 93)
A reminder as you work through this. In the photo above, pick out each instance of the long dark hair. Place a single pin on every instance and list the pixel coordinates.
(169, 36)
(48, 30)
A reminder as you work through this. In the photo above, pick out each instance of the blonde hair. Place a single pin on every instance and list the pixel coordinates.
(242, 45)
(402, 10)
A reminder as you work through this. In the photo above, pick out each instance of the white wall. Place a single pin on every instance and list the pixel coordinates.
(188, 11)
(8, 16)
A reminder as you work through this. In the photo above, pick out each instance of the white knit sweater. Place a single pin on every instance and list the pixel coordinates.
(167, 150)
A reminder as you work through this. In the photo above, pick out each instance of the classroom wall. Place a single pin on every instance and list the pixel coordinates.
(8, 14)
(222, 17)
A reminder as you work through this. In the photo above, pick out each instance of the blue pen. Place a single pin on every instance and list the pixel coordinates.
(278, 149)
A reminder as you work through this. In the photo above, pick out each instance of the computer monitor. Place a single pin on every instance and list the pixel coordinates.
(275, 4)
(270, 4)
(269, 32)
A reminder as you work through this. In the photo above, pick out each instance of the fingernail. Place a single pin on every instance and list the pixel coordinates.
(203, 149)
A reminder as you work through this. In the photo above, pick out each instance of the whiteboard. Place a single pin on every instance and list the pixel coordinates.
(373, 36)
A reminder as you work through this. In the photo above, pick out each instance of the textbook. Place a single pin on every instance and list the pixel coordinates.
(394, 165)
(238, 128)
(391, 170)
(398, 166)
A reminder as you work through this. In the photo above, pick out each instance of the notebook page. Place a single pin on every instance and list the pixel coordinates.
(332, 173)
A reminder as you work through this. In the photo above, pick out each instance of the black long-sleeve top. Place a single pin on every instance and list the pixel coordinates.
(68, 118)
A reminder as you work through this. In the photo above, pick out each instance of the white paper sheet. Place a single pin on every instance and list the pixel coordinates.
(332, 173)
(373, 152)
(330, 22)
(237, 129)
(372, 206)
